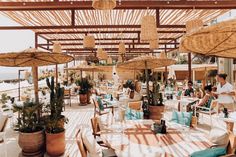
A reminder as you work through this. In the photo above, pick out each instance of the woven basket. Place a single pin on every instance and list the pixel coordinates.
(193, 25)
(56, 47)
(153, 44)
(101, 54)
(148, 28)
(122, 49)
(104, 4)
(89, 41)
(109, 60)
(120, 59)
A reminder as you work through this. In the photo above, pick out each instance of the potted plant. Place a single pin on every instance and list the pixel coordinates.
(54, 120)
(31, 130)
(84, 90)
(155, 102)
(130, 84)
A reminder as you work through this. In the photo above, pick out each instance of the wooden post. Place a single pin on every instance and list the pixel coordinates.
(35, 73)
(189, 67)
(147, 80)
(56, 74)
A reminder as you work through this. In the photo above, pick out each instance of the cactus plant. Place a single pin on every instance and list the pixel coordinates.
(55, 108)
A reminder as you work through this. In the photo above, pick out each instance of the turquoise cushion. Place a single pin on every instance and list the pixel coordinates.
(133, 114)
(101, 106)
(183, 118)
(211, 152)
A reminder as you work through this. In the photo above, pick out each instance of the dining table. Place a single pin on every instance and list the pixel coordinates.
(136, 138)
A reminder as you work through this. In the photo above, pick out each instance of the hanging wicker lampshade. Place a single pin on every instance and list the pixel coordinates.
(193, 25)
(104, 4)
(101, 54)
(89, 41)
(109, 60)
(57, 47)
(153, 44)
(120, 59)
(148, 28)
(122, 49)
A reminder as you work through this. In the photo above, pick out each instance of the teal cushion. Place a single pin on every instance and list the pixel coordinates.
(211, 152)
(183, 118)
(101, 106)
(133, 114)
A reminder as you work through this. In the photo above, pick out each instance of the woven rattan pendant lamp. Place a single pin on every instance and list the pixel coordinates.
(89, 41)
(122, 49)
(153, 44)
(148, 28)
(193, 25)
(104, 4)
(57, 47)
(109, 60)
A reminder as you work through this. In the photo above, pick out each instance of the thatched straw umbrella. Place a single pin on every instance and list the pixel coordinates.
(34, 58)
(147, 62)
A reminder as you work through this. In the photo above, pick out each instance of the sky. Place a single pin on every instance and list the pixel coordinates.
(22, 39)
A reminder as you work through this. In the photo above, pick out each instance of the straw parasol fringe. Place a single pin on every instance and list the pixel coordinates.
(153, 44)
(104, 4)
(216, 40)
(89, 41)
(122, 49)
(148, 28)
(193, 25)
(120, 59)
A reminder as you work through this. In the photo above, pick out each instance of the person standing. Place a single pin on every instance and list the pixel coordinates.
(225, 92)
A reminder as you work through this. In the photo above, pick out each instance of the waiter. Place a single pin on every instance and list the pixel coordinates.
(225, 92)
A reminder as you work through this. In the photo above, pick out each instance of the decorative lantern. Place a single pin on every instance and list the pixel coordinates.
(122, 49)
(104, 4)
(153, 44)
(120, 59)
(56, 47)
(89, 41)
(148, 28)
(193, 25)
(109, 60)
(102, 55)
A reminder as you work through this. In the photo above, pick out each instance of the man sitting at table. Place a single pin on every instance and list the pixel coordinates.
(189, 91)
(206, 101)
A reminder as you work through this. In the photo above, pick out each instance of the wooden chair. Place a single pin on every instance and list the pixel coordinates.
(67, 95)
(136, 105)
(205, 110)
(96, 130)
(97, 108)
(80, 144)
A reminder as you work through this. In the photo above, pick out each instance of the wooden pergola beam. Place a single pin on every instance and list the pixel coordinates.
(107, 43)
(133, 4)
(81, 27)
(79, 39)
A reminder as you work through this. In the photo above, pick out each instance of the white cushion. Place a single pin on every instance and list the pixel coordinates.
(3, 119)
(219, 136)
(94, 149)
(105, 120)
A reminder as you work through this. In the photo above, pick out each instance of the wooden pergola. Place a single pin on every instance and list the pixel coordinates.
(68, 21)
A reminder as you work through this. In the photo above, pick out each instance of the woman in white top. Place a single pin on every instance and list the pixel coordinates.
(225, 91)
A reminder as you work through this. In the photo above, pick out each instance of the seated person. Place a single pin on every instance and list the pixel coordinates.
(206, 101)
(189, 91)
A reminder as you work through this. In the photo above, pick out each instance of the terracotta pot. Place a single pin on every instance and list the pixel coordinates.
(156, 112)
(55, 143)
(88, 97)
(32, 144)
(131, 94)
(83, 99)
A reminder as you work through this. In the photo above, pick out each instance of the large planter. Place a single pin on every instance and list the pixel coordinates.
(156, 112)
(131, 94)
(83, 98)
(55, 143)
(88, 97)
(32, 144)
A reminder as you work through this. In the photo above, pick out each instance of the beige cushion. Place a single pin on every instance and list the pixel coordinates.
(219, 136)
(3, 119)
(94, 149)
